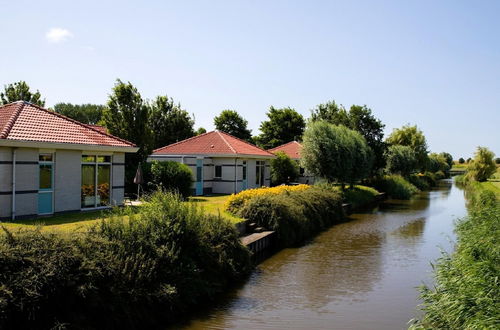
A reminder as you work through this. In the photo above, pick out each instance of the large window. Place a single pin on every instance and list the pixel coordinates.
(96, 179)
(259, 173)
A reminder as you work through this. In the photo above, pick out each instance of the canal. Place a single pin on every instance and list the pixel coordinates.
(361, 274)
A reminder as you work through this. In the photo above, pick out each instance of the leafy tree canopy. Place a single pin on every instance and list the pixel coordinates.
(412, 137)
(483, 165)
(283, 169)
(461, 160)
(284, 125)
(84, 113)
(200, 130)
(169, 122)
(20, 91)
(231, 122)
(335, 153)
(401, 160)
(448, 157)
(438, 162)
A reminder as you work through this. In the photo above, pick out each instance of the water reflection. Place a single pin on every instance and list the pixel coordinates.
(359, 274)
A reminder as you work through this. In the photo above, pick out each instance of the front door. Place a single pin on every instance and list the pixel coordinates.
(199, 177)
(45, 186)
(244, 183)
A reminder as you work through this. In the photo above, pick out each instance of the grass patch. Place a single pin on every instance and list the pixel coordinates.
(215, 205)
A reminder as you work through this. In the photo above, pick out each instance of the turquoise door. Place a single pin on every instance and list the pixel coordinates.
(199, 177)
(45, 189)
(244, 183)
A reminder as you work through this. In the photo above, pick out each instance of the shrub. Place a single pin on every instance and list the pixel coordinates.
(395, 186)
(400, 160)
(497, 160)
(120, 274)
(461, 160)
(295, 215)
(172, 176)
(439, 175)
(438, 162)
(360, 196)
(483, 165)
(283, 169)
(419, 181)
(236, 202)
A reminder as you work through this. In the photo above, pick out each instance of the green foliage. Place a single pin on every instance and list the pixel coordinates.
(421, 182)
(466, 293)
(395, 186)
(295, 216)
(139, 273)
(448, 157)
(438, 163)
(335, 153)
(200, 130)
(20, 91)
(360, 196)
(84, 113)
(168, 122)
(483, 166)
(359, 118)
(412, 137)
(461, 160)
(231, 122)
(283, 169)
(172, 176)
(497, 160)
(401, 160)
(284, 125)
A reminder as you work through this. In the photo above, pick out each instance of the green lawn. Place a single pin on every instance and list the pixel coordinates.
(215, 205)
(71, 222)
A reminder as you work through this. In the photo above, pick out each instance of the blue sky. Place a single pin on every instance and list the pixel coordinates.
(431, 63)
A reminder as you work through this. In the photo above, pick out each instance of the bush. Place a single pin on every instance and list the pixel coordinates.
(295, 215)
(466, 293)
(483, 166)
(360, 196)
(497, 160)
(283, 169)
(461, 160)
(142, 272)
(395, 186)
(237, 201)
(419, 181)
(172, 176)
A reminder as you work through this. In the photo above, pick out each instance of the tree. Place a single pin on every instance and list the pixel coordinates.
(401, 160)
(335, 153)
(20, 91)
(412, 137)
(358, 118)
(230, 122)
(284, 125)
(448, 157)
(461, 160)
(200, 130)
(172, 176)
(483, 166)
(84, 113)
(497, 160)
(438, 162)
(126, 116)
(283, 169)
(169, 122)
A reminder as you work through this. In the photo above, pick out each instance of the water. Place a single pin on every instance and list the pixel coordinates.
(361, 274)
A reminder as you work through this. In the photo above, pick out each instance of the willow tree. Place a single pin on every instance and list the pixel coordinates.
(414, 138)
(483, 165)
(336, 153)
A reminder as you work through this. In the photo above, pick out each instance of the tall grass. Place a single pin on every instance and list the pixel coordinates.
(120, 274)
(395, 186)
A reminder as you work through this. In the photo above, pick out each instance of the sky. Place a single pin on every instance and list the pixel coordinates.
(435, 64)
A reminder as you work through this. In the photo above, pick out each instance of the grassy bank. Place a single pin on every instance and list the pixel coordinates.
(144, 272)
(466, 294)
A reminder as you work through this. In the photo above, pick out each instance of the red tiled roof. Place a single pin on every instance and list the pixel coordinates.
(292, 149)
(212, 143)
(23, 121)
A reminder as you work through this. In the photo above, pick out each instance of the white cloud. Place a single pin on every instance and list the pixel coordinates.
(56, 35)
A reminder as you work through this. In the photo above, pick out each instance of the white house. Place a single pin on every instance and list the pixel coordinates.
(221, 163)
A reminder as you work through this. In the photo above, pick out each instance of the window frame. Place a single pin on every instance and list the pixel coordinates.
(96, 164)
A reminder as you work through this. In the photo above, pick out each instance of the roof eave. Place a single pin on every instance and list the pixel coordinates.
(69, 146)
(165, 155)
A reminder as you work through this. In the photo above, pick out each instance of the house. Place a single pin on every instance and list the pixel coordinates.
(221, 163)
(292, 149)
(50, 163)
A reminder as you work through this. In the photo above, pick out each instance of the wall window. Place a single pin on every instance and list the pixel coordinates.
(218, 171)
(259, 173)
(96, 181)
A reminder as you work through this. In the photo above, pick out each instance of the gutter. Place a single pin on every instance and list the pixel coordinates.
(13, 207)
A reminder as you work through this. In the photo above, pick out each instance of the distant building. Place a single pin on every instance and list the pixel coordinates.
(50, 163)
(221, 163)
(292, 149)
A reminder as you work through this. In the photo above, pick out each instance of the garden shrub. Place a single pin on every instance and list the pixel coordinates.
(172, 176)
(236, 202)
(140, 272)
(395, 186)
(419, 181)
(295, 215)
(283, 169)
